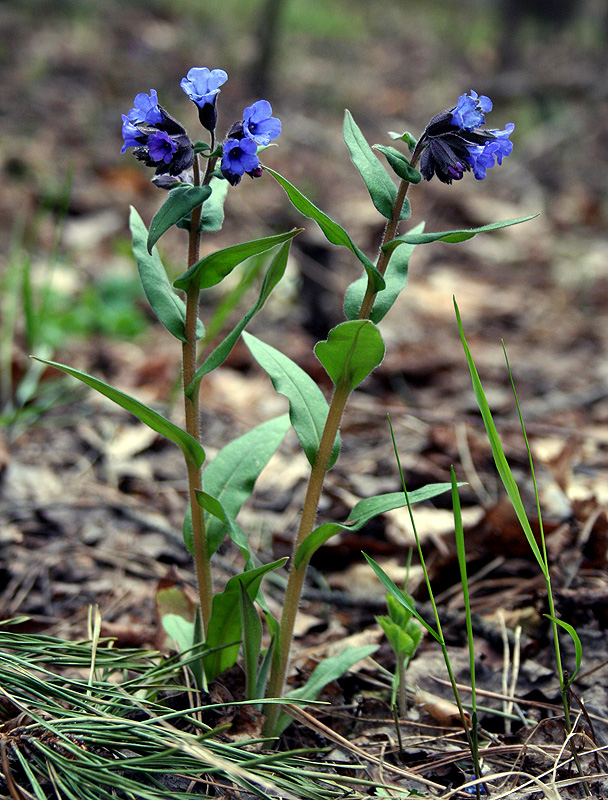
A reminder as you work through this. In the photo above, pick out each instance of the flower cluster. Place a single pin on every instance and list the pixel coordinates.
(158, 140)
(454, 142)
(161, 142)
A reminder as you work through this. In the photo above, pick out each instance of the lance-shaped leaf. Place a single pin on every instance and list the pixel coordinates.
(361, 514)
(213, 268)
(412, 237)
(168, 307)
(351, 351)
(399, 163)
(330, 669)
(232, 474)
(395, 278)
(273, 275)
(191, 449)
(308, 407)
(178, 204)
(578, 647)
(380, 186)
(334, 233)
(225, 623)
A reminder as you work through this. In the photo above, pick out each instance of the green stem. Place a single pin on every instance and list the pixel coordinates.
(191, 408)
(316, 481)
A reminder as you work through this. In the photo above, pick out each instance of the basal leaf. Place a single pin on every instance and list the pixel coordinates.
(232, 474)
(333, 232)
(351, 351)
(251, 626)
(379, 184)
(502, 465)
(395, 278)
(225, 623)
(191, 449)
(362, 513)
(451, 236)
(168, 307)
(273, 275)
(180, 202)
(213, 268)
(308, 407)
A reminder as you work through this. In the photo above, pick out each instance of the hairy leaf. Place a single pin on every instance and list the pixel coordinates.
(180, 202)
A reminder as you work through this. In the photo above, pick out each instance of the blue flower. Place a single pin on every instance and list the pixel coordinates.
(146, 109)
(202, 86)
(131, 134)
(469, 111)
(259, 125)
(481, 157)
(453, 143)
(239, 156)
(161, 147)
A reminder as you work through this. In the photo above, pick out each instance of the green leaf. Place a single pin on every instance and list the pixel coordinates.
(212, 269)
(308, 407)
(381, 188)
(361, 514)
(330, 669)
(351, 351)
(180, 202)
(180, 630)
(192, 450)
(232, 474)
(451, 236)
(232, 528)
(273, 275)
(502, 465)
(399, 163)
(212, 213)
(399, 595)
(406, 137)
(395, 278)
(251, 625)
(333, 232)
(168, 307)
(578, 647)
(225, 623)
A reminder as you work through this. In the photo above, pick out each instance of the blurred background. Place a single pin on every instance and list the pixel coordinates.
(69, 69)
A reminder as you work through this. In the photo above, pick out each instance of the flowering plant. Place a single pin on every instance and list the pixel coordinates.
(197, 176)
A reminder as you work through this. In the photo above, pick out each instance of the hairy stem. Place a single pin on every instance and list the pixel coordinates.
(191, 408)
(316, 481)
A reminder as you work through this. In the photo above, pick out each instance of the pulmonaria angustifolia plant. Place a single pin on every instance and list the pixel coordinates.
(198, 176)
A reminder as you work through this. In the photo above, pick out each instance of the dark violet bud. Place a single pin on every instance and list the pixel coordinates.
(257, 172)
(454, 143)
(202, 86)
(239, 156)
(162, 144)
(259, 124)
